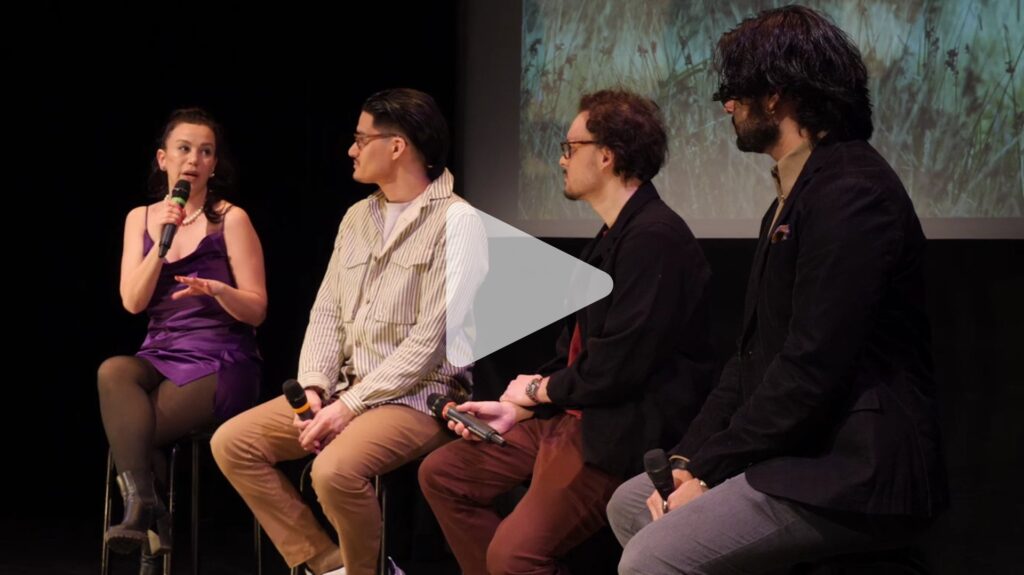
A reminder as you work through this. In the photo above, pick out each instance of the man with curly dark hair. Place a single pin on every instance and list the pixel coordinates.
(630, 372)
(821, 437)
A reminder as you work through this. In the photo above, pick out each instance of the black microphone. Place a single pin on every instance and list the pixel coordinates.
(179, 195)
(443, 407)
(297, 398)
(658, 469)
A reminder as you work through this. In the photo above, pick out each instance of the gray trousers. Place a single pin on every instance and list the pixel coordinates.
(734, 528)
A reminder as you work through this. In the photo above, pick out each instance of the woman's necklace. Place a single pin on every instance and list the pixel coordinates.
(192, 217)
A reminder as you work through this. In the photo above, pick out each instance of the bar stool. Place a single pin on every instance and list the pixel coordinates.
(196, 440)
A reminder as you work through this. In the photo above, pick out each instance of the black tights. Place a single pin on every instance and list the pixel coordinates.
(143, 411)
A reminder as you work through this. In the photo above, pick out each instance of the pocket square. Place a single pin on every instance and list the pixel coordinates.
(780, 234)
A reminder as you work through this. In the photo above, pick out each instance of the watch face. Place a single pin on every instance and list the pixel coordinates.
(531, 389)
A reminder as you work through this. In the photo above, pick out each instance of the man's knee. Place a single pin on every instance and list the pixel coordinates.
(225, 445)
(646, 555)
(627, 509)
(507, 556)
(620, 514)
(435, 469)
(335, 479)
(637, 559)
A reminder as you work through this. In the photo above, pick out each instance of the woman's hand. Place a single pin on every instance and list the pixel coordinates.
(161, 214)
(198, 286)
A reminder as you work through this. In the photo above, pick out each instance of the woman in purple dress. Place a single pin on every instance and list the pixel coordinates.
(199, 364)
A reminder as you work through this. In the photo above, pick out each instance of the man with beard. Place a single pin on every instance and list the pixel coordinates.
(821, 437)
(631, 369)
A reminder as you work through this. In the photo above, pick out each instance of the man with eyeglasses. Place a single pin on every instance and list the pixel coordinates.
(629, 373)
(374, 348)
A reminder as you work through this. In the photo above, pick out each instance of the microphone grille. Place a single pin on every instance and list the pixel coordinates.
(294, 393)
(182, 189)
(436, 403)
(655, 460)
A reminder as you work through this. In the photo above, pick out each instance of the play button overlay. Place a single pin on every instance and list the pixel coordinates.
(502, 284)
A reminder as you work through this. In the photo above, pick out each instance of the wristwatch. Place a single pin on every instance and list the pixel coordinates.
(531, 389)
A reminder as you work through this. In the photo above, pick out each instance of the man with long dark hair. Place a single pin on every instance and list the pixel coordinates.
(630, 372)
(821, 436)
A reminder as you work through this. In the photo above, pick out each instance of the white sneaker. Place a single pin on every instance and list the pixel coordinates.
(392, 568)
(338, 571)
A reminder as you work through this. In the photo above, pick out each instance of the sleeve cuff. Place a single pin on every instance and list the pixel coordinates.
(678, 462)
(353, 402)
(704, 474)
(316, 379)
(555, 387)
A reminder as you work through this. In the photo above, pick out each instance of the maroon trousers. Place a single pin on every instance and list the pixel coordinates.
(564, 504)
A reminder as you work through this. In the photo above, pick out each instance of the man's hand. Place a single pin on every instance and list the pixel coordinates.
(516, 391)
(313, 397)
(499, 415)
(687, 489)
(325, 426)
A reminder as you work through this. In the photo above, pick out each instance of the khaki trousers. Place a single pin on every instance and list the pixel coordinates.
(248, 446)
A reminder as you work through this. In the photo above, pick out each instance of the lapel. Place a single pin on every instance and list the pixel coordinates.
(598, 250)
(820, 157)
(596, 253)
(756, 267)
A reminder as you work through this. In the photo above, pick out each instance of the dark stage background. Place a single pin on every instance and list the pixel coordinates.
(287, 83)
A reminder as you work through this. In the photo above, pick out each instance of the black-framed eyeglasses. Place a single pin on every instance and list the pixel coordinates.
(362, 139)
(567, 146)
(725, 92)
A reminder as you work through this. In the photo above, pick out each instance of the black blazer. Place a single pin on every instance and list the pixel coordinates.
(646, 364)
(830, 399)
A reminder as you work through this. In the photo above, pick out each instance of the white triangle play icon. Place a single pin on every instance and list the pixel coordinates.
(503, 284)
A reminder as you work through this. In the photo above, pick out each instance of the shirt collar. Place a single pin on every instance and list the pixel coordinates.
(786, 172)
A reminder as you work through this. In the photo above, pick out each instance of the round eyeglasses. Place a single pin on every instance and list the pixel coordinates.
(567, 146)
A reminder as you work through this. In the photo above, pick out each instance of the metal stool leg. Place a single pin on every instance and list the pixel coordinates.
(382, 494)
(306, 470)
(257, 534)
(195, 506)
(171, 502)
(105, 560)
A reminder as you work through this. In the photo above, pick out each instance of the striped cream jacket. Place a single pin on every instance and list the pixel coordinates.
(377, 329)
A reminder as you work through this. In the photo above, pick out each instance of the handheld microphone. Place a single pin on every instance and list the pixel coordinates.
(179, 195)
(658, 469)
(297, 398)
(443, 407)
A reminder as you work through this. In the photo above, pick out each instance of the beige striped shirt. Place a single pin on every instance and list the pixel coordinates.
(377, 329)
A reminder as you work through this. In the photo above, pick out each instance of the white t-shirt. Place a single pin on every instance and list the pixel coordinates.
(392, 211)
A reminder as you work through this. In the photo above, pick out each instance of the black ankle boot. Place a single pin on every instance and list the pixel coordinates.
(151, 564)
(160, 537)
(142, 510)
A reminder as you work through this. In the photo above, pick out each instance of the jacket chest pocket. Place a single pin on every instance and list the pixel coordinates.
(398, 289)
(355, 261)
